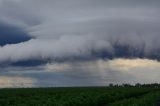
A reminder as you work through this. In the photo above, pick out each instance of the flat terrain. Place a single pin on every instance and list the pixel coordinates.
(81, 96)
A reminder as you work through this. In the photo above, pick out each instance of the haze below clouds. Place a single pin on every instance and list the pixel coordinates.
(95, 73)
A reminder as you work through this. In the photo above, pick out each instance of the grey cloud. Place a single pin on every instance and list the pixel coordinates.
(17, 14)
(82, 29)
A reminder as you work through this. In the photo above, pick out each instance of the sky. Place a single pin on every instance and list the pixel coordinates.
(79, 42)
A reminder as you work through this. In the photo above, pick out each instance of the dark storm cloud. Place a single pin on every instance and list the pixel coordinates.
(79, 29)
(12, 34)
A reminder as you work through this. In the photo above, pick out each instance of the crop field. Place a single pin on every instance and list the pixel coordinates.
(81, 96)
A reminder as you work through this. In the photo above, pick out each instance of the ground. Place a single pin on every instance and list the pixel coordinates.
(81, 96)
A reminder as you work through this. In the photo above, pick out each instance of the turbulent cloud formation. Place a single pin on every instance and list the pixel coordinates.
(78, 30)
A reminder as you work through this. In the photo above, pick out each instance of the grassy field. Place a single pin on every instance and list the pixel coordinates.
(81, 96)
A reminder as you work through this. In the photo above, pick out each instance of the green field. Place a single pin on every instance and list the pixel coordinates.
(81, 96)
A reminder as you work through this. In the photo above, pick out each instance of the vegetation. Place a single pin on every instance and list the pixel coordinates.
(125, 95)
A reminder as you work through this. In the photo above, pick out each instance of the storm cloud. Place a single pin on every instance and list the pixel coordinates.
(12, 34)
(78, 30)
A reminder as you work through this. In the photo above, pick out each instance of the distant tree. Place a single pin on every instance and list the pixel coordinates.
(111, 85)
(137, 85)
(127, 85)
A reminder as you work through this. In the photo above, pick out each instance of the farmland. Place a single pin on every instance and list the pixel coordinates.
(81, 96)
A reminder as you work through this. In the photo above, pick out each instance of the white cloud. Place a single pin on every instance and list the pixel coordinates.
(67, 46)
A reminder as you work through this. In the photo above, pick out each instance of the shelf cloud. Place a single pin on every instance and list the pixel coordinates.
(78, 30)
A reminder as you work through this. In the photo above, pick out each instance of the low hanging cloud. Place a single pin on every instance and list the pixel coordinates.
(67, 47)
(78, 30)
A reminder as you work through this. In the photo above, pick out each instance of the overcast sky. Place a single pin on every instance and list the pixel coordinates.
(35, 33)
